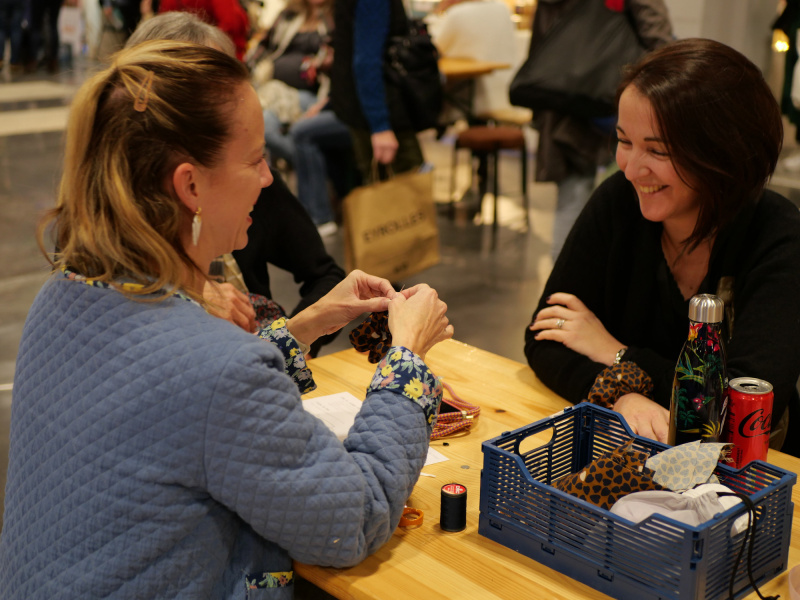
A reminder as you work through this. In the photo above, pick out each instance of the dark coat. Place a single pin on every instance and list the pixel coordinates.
(570, 145)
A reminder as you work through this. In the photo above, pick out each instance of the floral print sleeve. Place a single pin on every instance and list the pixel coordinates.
(403, 371)
(296, 368)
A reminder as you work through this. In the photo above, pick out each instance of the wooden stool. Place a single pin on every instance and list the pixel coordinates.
(490, 140)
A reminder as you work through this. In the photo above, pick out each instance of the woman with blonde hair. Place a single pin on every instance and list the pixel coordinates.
(279, 220)
(157, 451)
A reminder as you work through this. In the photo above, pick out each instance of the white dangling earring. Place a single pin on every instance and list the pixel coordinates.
(197, 222)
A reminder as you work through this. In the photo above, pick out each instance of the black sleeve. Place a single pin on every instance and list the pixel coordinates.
(284, 235)
(580, 270)
(766, 325)
(661, 370)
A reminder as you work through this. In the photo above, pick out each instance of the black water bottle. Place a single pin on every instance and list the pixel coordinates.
(698, 403)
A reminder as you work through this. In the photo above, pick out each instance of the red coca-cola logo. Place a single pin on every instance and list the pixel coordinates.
(755, 424)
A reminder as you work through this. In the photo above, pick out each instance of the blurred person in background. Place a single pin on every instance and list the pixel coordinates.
(44, 39)
(379, 122)
(571, 148)
(228, 15)
(291, 68)
(11, 12)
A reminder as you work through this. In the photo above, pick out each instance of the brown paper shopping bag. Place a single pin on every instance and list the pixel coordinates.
(390, 226)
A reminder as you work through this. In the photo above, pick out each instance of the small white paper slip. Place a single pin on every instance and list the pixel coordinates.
(434, 456)
(338, 412)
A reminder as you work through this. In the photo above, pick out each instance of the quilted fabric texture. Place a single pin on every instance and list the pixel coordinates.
(159, 452)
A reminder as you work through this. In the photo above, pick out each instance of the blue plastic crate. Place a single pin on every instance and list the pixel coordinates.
(659, 558)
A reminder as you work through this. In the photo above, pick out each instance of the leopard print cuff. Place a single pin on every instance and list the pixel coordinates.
(617, 380)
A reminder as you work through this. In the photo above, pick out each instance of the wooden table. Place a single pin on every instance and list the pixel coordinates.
(455, 69)
(428, 563)
(460, 74)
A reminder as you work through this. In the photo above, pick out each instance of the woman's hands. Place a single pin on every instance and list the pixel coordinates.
(418, 320)
(568, 321)
(228, 303)
(580, 330)
(416, 316)
(356, 294)
(644, 416)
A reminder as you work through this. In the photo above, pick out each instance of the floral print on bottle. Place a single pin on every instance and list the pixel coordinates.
(698, 405)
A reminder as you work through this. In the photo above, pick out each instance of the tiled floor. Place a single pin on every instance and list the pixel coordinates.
(490, 292)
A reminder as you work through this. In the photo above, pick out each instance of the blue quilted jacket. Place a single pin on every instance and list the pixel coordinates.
(159, 452)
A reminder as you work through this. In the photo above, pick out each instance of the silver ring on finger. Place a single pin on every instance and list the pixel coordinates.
(560, 323)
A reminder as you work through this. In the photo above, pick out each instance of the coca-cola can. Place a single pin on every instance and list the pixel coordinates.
(749, 420)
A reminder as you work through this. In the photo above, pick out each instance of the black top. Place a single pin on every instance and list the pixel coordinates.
(284, 235)
(612, 260)
(288, 66)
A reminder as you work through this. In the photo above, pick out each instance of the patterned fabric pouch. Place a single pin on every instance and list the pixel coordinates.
(682, 467)
(373, 336)
(610, 477)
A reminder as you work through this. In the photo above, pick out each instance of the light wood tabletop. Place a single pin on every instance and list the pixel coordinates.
(454, 68)
(426, 562)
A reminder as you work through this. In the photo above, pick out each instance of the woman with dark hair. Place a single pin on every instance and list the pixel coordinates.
(699, 133)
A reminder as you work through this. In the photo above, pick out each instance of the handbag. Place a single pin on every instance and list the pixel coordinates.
(280, 98)
(411, 65)
(390, 226)
(576, 66)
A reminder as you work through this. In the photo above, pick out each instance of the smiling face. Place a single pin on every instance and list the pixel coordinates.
(643, 156)
(231, 188)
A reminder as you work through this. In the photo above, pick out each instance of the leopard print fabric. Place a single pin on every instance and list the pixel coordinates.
(610, 477)
(617, 380)
(373, 336)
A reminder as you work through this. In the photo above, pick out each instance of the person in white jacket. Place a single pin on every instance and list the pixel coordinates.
(481, 31)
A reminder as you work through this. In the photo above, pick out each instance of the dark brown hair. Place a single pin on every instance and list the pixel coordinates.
(719, 120)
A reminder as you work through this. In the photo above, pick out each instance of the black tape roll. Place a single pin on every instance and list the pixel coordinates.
(453, 515)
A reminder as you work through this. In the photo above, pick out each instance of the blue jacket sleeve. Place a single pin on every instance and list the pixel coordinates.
(370, 30)
(287, 475)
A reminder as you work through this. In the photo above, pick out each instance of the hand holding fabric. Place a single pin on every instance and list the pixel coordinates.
(418, 319)
(356, 294)
(228, 303)
(567, 320)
